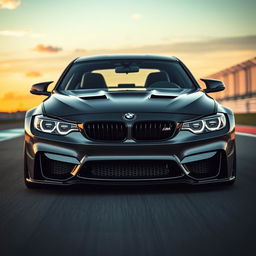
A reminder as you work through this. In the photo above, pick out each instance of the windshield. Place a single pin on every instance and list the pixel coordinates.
(126, 75)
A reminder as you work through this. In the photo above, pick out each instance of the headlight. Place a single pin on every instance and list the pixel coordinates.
(53, 126)
(207, 124)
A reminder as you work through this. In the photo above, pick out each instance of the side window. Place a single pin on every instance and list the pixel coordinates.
(68, 85)
(179, 77)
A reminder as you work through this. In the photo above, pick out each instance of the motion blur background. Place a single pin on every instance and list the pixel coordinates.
(214, 38)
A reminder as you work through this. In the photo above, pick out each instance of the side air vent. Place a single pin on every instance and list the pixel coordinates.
(153, 96)
(101, 130)
(99, 97)
(205, 168)
(55, 169)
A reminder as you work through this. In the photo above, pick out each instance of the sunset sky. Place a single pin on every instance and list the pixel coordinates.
(39, 38)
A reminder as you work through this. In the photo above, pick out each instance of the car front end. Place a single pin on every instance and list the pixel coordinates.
(123, 137)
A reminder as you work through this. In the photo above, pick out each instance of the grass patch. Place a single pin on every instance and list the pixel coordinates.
(246, 119)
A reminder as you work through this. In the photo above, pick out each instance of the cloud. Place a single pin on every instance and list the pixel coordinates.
(242, 43)
(190, 47)
(9, 4)
(20, 33)
(136, 16)
(15, 32)
(33, 74)
(80, 50)
(217, 44)
(47, 49)
(5, 66)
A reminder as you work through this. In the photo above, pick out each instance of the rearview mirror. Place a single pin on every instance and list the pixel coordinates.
(127, 69)
(40, 88)
(213, 85)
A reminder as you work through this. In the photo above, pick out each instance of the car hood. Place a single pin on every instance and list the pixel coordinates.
(75, 107)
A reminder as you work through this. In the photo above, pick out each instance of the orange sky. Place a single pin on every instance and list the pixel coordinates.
(39, 38)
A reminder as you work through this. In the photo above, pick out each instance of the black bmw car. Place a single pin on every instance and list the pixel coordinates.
(129, 119)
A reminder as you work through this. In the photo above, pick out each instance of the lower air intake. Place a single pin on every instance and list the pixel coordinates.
(137, 169)
(205, 168)
(55, 169)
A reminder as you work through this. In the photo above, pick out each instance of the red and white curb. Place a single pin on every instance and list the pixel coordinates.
(245, 130)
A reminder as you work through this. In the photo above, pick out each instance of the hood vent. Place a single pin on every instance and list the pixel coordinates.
(153, 96)
(96, 97)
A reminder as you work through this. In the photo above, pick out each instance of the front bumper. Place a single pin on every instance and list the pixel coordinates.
(184, 150)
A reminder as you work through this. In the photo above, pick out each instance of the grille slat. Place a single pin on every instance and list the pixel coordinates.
(98, 129)
(117, 131)
(153, 130)
(105, 130)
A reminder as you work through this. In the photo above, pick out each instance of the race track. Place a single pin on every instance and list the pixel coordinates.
(159, 220)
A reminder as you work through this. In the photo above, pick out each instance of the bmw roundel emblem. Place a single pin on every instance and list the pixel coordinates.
(129, 116)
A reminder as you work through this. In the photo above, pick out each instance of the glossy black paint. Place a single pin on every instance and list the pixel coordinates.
(103, 105)
(213, 85)
(76, 108)
(41, 88)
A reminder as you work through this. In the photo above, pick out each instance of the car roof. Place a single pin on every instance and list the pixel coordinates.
(125, 57)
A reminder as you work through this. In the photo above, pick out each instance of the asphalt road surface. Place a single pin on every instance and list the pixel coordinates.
(158, 220)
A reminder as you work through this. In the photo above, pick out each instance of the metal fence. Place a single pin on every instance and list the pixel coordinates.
(240, 81)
